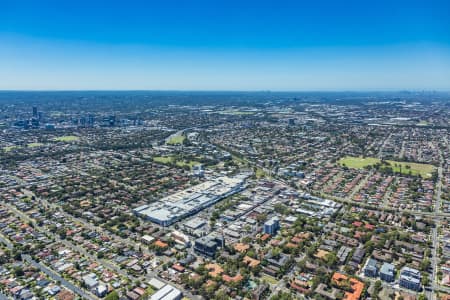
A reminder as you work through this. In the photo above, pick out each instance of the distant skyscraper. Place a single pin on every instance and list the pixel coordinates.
(112, 120)
(35, 112)
(91, 120)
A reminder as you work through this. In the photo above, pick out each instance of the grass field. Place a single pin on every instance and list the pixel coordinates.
(163, 159)
(10, 148)
(424, 170)
(171, 159)
(358, 162)
(32, 145)
(66, 138)
(177, 139)
(187, 163)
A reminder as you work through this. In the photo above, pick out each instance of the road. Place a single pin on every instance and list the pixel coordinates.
(380, 151)
(7, 242)
(435, 237)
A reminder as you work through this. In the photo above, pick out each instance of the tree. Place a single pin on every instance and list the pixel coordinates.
(422, 297)
(276, 252)
(18, 272)
(331, 259)
(282, 296)
(221, 295)
(377, 288)
(425, 264)
(112, 296)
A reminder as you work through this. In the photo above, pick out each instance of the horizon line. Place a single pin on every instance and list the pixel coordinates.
(399, 90)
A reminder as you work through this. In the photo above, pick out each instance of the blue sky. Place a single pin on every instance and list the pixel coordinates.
(225, 45)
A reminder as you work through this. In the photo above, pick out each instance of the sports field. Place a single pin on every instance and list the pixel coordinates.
(10, 148)
(424, 170)
(66, 138)
(32, 145)
(176, 139)
(171, 159)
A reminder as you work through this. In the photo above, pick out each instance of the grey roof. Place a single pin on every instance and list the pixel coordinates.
(387, 268)
(372, 263)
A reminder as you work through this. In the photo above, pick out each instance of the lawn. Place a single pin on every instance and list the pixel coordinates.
(163, 159)
(149, 291)
(66, 138)
(32, 145)
(260, 173)
(176, 139)
(269, 279)
(424, 170)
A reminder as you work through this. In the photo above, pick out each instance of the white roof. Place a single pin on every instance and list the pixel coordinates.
(148, 238)
(168, 292)
(157, 284)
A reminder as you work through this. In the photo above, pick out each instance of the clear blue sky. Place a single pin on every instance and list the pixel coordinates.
(225, 45)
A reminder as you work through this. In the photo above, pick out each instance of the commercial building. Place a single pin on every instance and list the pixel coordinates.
(180, 238)
(410, 278)
(188, 202)
(271, 226)
(206, 245)
(387, 272)
(194, 224)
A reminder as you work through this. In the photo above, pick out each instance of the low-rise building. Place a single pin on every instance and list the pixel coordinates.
(168, 292)
(206, 246)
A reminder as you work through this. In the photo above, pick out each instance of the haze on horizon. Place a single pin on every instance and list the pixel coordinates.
(227, 45)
